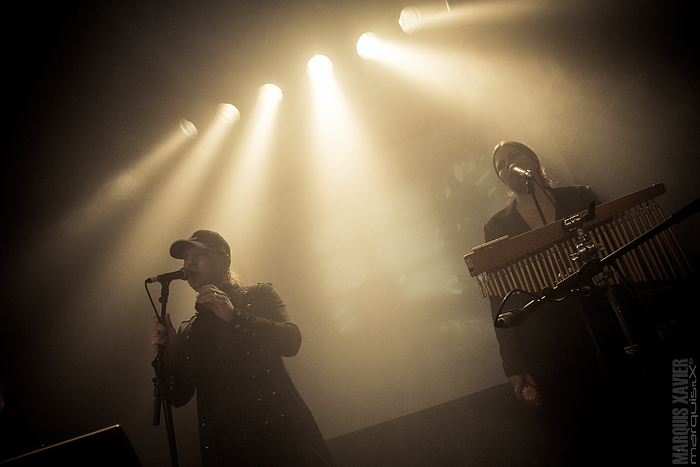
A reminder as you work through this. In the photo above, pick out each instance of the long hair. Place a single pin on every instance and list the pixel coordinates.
(232, 278)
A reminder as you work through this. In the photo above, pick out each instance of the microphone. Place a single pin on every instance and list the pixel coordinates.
(516, 316)
(515, 170)
(182, 274)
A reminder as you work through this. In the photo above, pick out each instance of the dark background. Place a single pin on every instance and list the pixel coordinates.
(604, 91)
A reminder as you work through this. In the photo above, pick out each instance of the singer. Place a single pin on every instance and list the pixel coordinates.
(550, 352)
(230, 353)
(520, 358)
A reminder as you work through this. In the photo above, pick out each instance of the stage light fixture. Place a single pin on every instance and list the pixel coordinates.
(270, 95)
(410, 19)
(188, 128)
(319, 67)
(430, 14)
(228, 113)
(369, 45)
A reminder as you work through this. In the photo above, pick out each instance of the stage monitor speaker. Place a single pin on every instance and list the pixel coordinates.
(109, 447)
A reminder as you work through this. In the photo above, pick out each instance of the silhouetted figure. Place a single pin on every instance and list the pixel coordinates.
(230, 352)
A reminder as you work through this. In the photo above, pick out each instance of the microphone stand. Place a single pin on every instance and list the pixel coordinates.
(531, 191)
(592, 267)
(160, 399)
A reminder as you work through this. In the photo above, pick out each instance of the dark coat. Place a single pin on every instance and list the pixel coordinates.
(570, 347)
(250, 412)
(540, 345)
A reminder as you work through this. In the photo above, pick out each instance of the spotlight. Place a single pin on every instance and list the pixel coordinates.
(270, 95)
(319, 67)
(369, 45)
(430, 14)
(410, 19)
(188, 128)
(228, 113)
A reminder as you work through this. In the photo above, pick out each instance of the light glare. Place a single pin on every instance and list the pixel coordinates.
(431, 14)
(369, 45)
(410, 19)
(188, 128)
(319, 67)
(228, 113)
(270, 95)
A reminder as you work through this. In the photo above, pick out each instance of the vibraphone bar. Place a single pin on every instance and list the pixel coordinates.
(543, 257)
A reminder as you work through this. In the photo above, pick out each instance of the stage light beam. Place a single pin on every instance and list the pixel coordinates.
(369, 45)
(228, 113)
(410, 19)
(188, 128)
(414, 18)
(320, 68)
(270, 95)
(242, 192)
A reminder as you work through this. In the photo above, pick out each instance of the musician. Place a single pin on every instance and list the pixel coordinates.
(552, 353)
(520, 216)
(230, 352)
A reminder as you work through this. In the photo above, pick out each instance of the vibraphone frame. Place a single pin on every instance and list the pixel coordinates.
(542, 258)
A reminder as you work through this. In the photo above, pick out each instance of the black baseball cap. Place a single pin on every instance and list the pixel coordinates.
(207, 239)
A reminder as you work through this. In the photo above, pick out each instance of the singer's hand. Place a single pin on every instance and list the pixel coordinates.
(518, 381)
(217, 301)
(165, 336)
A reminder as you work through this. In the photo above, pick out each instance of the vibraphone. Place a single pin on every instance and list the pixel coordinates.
(543, 257)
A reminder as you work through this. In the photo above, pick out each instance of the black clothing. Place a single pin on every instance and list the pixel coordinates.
(540, 344)
(588, 412)
(19, 432)
(250, 412)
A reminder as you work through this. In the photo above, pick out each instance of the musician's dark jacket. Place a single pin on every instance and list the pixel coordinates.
(250, 413)
(552, 338)
(587, 411)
